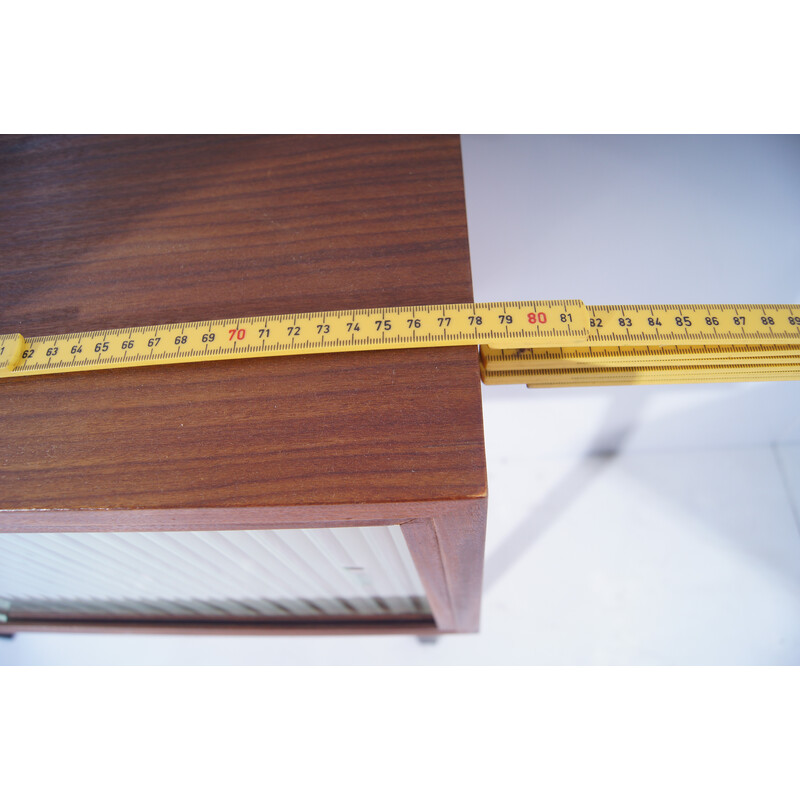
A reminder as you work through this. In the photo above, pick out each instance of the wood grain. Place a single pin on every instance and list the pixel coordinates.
(99, 232)
(111, 232)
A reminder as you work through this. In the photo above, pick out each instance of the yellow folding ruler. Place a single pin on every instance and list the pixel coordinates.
(546, 343)
(637, 344)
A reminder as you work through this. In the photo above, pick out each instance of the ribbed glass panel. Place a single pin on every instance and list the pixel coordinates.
(343, 573)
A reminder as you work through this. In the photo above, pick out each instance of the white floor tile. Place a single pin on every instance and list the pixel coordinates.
(788, 457)
(676, 558)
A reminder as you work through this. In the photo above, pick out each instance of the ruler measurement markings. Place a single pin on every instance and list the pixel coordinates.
(457, 331)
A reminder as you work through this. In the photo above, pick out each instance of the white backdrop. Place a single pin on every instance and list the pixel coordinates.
(640, 219)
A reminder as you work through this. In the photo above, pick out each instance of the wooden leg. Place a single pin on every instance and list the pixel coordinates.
(448, 553)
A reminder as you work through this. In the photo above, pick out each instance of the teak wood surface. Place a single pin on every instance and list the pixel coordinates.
(106, 232)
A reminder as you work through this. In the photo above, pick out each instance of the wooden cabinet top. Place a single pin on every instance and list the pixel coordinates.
(105, 232)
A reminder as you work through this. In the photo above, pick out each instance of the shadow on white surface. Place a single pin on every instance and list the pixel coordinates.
(614, 429)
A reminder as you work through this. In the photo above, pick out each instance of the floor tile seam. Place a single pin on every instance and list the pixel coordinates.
(790, 498)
